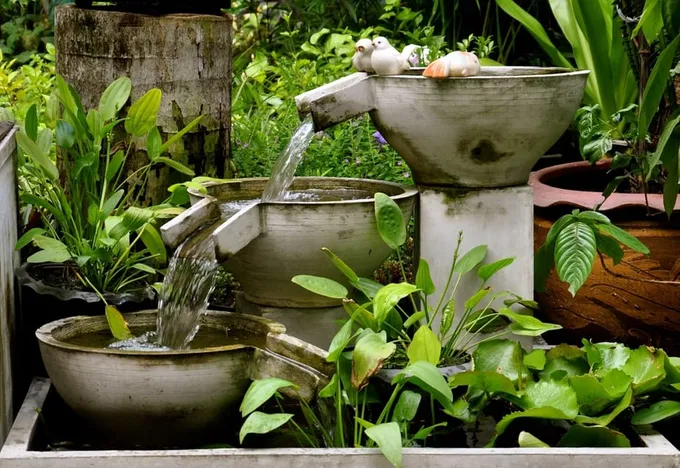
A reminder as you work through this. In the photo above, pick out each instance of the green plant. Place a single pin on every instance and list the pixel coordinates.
(573, 243)
(90, 223)
(378, 308)
(26, 27)
(598, 390)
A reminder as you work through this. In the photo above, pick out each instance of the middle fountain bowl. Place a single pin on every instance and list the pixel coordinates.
(290, 235)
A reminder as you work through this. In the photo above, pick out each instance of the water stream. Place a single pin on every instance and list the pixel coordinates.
(283, 172)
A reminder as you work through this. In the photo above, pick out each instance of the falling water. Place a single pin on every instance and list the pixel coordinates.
(286, 165)
(186, 289)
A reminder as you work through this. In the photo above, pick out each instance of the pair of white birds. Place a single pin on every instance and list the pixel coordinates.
(378, 56)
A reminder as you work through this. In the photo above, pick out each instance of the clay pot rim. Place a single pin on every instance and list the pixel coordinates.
(45, 335)
(546, 196)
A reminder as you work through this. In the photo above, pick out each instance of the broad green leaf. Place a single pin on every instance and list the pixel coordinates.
(368, 286)
(114, 165)
(36, 153)
(179, 167)
(485, 381)
(606, 419)
(616, 382)
(143, 113)
(65, 96)
(424, 346)
(575, 251)
(415, 318)
(591, 394)
(535, 359)
(609, 247)
(133, 219)
(428, 378)
(321, 286)
(461, 410)
(656, 86)
(360, 315)
(31, 123)
(331, 389)
(651, 21)
(471, 259)
(672, 372)
(476, 298)
(647, 369)
(153, 242)
(368, 357)
(622, 236)
(448, 315)
(526, 324)
(154, 143)
(407, 406)
(553, 394)
(44, 140)
(425, 432)
(28, 237)
(50, 243)
(423, 278)
(117, 324)
(340, 341)
(594, 216)
(565, 360)
(179, 135)
(114, 98)
(502, 356)
(262, 423)
(66, 134)
(538, 413)
(83, 162)
(144, 267)
(29, 199)
(582, 436)
(656, 412)
(259, 392)
(49, 256)
(390, 221)
(388, 297)
(592, 355)
(613, 356)
(670, 11)
(112, 202)
(388, 438)
(535, 29)
(95, 124)
(342, 266)
(485, 272)
(526, 440)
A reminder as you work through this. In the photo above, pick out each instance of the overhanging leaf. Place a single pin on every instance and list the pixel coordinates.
(423, 278)
(368, 357)
(262, 423)
(143, 113)
(625, 238)
(424, 346)
(656, 412)
(582, 436)
(117, 324)
(342, 266)
(388, 297)
(485, 272)
(321, 286)
(388, 438)
(114, 98)
(575, 251)
(259, 392)
(176, 165)
(471, 259)
(428, 378)
(390, 221)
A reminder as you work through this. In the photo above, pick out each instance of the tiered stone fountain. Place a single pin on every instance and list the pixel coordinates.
(470, 144)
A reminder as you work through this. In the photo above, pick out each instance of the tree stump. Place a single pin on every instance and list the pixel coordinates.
(186, 56)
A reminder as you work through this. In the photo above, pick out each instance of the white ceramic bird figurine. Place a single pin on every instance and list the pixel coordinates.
(362, 57)
(455, 64)
(386, 60)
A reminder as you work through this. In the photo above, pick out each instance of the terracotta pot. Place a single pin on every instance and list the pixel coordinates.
(636, 302)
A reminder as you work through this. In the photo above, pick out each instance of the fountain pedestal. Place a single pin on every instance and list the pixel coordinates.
(315, 326)
(501, 218)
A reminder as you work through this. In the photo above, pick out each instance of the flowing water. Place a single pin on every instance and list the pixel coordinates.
(186, 289)
(286, 165)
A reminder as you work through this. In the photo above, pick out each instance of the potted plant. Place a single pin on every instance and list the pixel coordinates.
(628, 135)
(90, 247)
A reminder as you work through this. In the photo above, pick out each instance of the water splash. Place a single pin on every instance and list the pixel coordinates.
(186, 290)
(286, 165)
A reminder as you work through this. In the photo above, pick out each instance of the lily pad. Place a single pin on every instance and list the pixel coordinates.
(553, 394)
(502, 356)
(485, 381)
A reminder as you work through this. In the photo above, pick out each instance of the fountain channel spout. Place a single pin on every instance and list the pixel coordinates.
(338, 101)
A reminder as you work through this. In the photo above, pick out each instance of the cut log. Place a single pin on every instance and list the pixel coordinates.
(186, 56)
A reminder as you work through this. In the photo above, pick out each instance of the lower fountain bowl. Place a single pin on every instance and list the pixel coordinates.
(295, 231)
(172, 398)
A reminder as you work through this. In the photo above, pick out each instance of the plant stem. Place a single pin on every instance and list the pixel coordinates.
(339, 426)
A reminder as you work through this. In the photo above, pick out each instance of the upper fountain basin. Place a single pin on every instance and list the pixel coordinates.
(482, 131)
(265, 247)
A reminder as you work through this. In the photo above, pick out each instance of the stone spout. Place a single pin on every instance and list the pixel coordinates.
(180, 228)
(238, 231)
(338, 101)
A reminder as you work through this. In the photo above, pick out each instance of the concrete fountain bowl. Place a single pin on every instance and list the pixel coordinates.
(265, 245)
(172, 398)
(482, 131)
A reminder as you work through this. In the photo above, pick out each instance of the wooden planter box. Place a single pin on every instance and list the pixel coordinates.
(19, 452)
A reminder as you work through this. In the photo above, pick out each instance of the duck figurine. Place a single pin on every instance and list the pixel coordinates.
(386, 60)
(362, 56)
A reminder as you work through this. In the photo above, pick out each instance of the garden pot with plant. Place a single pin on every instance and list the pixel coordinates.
(90, 247)
(635, 296)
